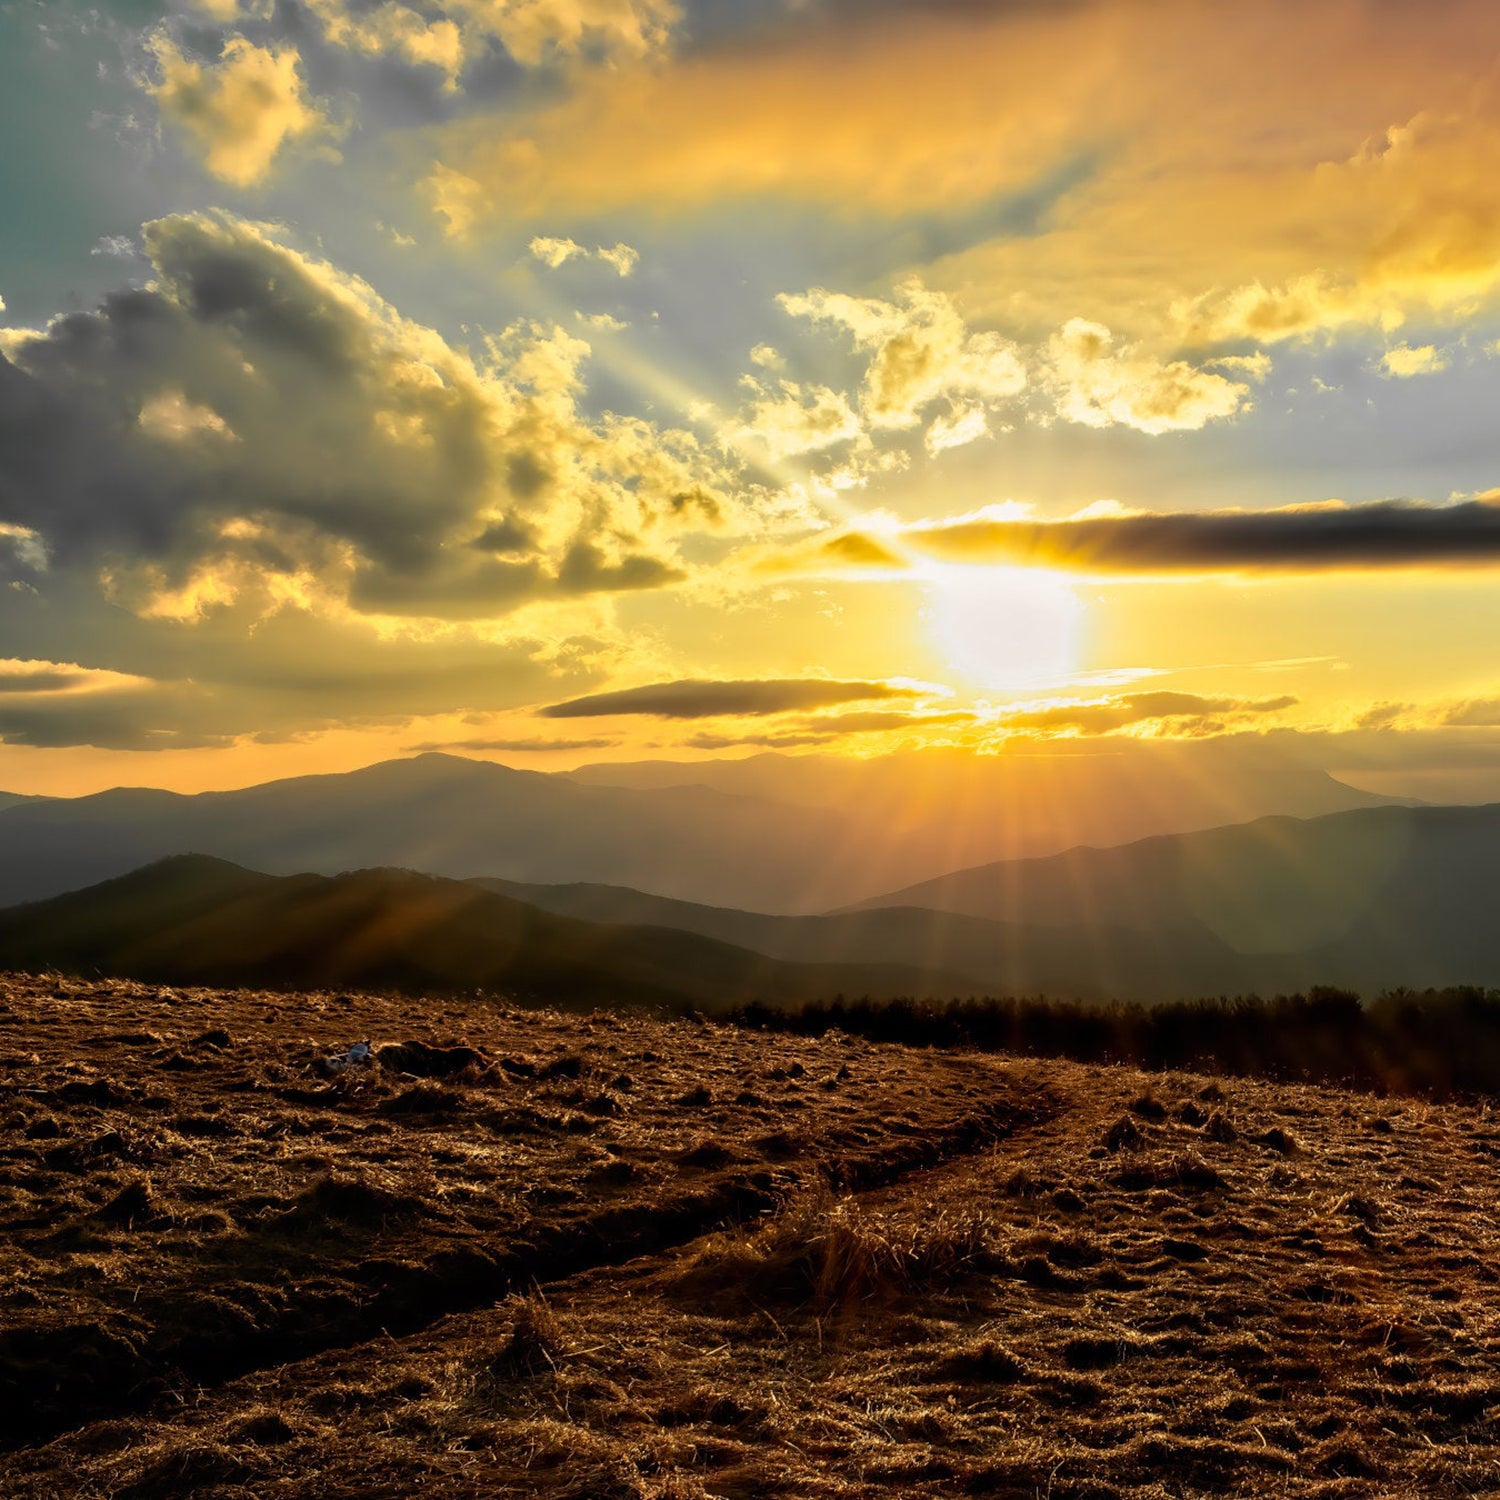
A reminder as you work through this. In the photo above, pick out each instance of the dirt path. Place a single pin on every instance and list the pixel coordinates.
(200, 1207)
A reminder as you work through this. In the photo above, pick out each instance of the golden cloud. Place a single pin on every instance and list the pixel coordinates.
(1099, 386)
(1338, 170)
(789, 420)
(920, 351)
(240, 112)
(1168, 714)
(906, 112)
(1404, 362)
(298, 442)
(448, 35)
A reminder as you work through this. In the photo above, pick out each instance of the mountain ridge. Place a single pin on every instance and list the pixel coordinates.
(195, 919)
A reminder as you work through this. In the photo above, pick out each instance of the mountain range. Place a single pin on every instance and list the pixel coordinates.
(772, 834)
(1368, 900)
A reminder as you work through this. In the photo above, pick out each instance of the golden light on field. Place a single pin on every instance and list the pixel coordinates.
(1004, 627)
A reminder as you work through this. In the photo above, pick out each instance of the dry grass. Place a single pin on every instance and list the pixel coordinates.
(1269, 1291)
(836, 1255)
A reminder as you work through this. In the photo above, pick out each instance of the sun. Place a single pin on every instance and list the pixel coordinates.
(1004, 627)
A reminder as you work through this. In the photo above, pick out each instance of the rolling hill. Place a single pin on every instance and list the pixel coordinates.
(195, 920)
(1371, 899)
(947, 952)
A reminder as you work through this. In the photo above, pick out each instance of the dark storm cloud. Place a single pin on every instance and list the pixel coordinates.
(1386, 534)
(706, 700)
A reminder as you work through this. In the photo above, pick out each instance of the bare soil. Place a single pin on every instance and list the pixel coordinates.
(531, 1254)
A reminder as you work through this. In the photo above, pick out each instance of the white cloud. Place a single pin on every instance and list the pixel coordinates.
(171, 418)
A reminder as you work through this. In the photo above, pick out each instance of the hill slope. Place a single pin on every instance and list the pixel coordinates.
(194, 920)
(948, 952)
(608, 1265)
(1370, 899)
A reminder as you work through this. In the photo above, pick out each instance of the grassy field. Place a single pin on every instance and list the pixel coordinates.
(532, 1254)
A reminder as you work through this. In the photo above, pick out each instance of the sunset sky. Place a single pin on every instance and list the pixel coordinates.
(567, 380)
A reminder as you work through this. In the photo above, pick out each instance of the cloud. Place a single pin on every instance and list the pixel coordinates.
(957, 429)
(1474, 713)
(1442, 713)
(810, 114)
(1179, 713)
(230, 11)
(22, 552)
(1098, 386)
(919, 352)
(450, 34)
(556, 253)
(621, 257)
(1311, 538)
(48, 704)
(1371, 201)
(241, 112)
(791, 741)
(24, 677)
(253, 478)
(518, 745)
(284, 427)
(789, 419)
(397, 31)
(1403, 362)
(831, 552)
(708, 699)
(884, 723)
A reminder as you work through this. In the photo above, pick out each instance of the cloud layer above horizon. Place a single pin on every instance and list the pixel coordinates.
(426, 370)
